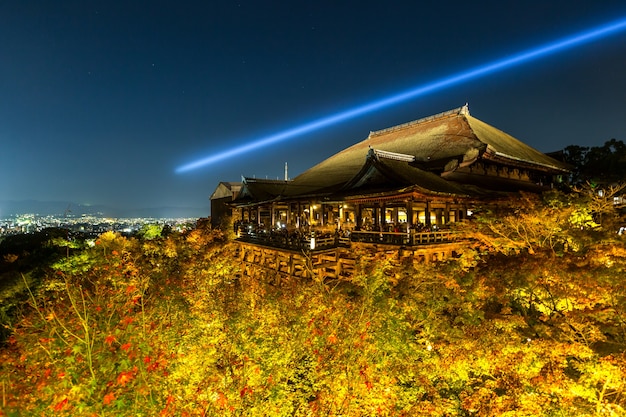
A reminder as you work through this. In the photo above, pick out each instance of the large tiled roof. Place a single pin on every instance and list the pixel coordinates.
(431, 142)
(452, 134)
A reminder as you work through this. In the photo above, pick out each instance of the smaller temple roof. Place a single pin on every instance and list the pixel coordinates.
(259, 190)
(384, 168)
(226, 189)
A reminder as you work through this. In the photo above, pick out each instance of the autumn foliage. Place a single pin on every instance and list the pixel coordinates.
(168, 326)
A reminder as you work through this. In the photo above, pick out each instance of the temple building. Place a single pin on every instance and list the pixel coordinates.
(220, 202)
(403, 185)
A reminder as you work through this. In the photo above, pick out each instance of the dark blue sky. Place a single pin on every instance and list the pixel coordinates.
(101, 101)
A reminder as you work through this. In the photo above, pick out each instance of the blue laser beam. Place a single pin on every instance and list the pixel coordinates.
(491, 67)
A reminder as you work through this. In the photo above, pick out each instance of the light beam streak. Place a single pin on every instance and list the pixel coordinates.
(491, 67)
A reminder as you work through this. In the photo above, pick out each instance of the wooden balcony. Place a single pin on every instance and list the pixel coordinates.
(317, 241)
(278, 256)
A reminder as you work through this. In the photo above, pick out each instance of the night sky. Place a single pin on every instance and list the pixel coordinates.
(101, 101)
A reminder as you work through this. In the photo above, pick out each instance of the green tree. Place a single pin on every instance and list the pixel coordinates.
(150, 231)
(599, 164)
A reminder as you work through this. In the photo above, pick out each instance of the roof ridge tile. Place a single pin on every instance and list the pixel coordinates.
(463, 110)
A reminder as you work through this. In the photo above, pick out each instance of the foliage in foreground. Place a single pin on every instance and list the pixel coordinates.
(164, 327)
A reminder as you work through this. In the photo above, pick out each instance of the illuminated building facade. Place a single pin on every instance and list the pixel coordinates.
(401, 185)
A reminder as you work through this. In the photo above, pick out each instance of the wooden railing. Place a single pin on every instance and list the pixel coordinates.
(399, 238)
(320, 241)
(295, 241)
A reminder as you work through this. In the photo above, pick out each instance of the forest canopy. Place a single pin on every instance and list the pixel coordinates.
(529, 320)
(597, 164)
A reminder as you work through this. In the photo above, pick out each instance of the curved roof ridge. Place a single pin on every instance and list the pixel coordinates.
(454, 112)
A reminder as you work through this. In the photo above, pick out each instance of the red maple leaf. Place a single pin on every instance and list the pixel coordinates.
(245, 390)
(108, 398)
(124, 378)
(222, 400)
(60, 405)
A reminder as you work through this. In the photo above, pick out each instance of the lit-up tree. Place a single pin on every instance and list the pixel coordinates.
(168, 326)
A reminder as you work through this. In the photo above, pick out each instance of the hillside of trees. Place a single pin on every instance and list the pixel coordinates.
(530, 320)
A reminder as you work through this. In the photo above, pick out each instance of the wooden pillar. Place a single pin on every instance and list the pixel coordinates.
(446, 216)
(409, 215)
(340, 219)
(427, 214)
(258, 215)
(358, 216)
(383, 217)
(376, 216)
(299, 217)
(272, 216)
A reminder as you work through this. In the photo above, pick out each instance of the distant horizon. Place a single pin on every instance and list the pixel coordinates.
(39, 207)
